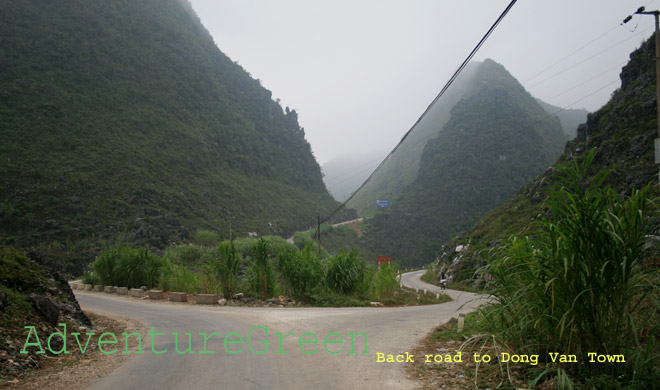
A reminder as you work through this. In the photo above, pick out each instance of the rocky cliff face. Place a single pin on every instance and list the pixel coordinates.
(622, 134)
(32, 295)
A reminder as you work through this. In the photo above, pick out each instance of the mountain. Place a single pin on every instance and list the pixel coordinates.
(344, 174)
(497, 138)
(123, 119)
(570, 118)
(621, 134)
(400, 169)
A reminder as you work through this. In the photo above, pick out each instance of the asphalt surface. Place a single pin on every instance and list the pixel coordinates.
(266, 366)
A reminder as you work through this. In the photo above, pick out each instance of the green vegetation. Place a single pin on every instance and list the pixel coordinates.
(623, 144)
(430, 276)
(127, 266)
(347, 274)
(581, 284)
(401, 169)
(301, 271)
(153, 139)
(497, 138)
(227, 263)
(259, 268)
(261, 273)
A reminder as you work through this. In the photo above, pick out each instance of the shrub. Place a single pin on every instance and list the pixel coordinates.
(260, 273)
(127, 266)
(301, 239)
(175, 277)
(90, 277)
(301, 271)
(347, 274)
(580, 286)
(187, 255)
(206, 238)
(385, 281)
(227, 263)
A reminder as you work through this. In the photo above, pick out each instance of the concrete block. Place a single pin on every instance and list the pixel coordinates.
(155, 294)
(98, 288)
(207, 299)
(178, 297)
(121, 290)
(137, 292)
(88, 286)
(109, 290)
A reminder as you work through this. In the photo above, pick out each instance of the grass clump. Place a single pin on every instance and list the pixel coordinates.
(580, 286)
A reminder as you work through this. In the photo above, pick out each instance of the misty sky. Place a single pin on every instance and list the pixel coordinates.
(359, 73)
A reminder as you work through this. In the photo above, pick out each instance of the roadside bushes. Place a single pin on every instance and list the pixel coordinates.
(260, 273)
(385, 281)
(176, 277)
(348, 274)
(301, 271)
(580, 286)
(227, 262)
(127, 266)
(272, 267)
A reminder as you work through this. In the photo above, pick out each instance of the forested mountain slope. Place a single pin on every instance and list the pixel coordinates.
(123, 118)
(497, 138)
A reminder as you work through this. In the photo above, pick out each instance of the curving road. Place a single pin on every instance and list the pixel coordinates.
(388, 330)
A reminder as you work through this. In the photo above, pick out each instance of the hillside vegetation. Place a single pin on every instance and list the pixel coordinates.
(621, 136)
(571, 262)
(497, 138)
(122, 118)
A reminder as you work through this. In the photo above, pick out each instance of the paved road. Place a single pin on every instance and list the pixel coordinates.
(388, 330)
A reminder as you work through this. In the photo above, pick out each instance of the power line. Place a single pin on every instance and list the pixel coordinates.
(571, 54)
(588, 58)
(619, 65)
(451, 80)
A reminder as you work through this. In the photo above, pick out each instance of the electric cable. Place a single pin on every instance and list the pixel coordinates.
(447, 85)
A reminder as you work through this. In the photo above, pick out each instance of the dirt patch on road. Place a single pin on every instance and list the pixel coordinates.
(440, 373)
(77, 370)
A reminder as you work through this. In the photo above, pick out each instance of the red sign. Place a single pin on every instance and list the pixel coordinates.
(384, 259)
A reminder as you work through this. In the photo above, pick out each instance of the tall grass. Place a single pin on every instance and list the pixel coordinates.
(347, 273)
(227, 263)
(301, 271)
(579, 287)
(385, 281)
(127, 266)
(176, 277)
(261, 273)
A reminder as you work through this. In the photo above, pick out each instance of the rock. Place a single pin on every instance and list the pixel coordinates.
(222, 302)
(274, 300)
(46, 307)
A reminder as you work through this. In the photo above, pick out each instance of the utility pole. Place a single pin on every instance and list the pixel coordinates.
(656, 14)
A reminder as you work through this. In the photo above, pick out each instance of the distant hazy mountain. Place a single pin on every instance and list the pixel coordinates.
(497, 138)
(570, 118)
(400, 169)
(122, 118)
(344, 174)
